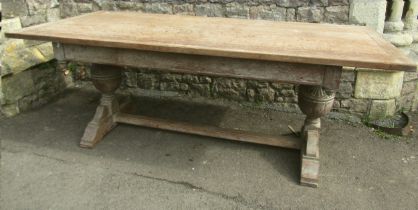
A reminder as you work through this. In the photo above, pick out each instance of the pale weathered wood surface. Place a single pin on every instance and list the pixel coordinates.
(296, 73)
(323, 44)
(204, 130)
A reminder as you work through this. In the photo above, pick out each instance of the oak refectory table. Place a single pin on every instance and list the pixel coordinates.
(311, 55)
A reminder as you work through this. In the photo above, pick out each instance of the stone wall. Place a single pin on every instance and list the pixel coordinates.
(31, 88)
(28, 76)
(332, 11)
(401, 29)
(354, 96)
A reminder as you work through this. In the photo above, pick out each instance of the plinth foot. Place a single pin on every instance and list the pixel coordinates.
(310, 159)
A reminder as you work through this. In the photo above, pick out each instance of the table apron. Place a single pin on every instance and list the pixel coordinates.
(296, 73)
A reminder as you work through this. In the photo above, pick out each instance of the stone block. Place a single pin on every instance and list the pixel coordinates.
(356, 105)
(68, 9)
(20, 59)
(257, 84)
(310, 14)
(345, 90)
(132, 6)
(292, 3)
(169, 86)
(10, 110)
(161, 8)
(201, 89)
(53, 14)
(205, 79)
(1, 94)
(131, 78)
(183, 9)
(408, 76)
(336, 105)
(17, 86)
(14, 8)
(10, 25)
(348, 76)
(290, 14)
(414, 45)
(370, 13)
(84, 7)
(33, 20)
(169, 77)
(236, 10)
(210, 10)
(36, 6)
(339, 2)
(250, 94)
(184, 87)
(46, 51)
(280, 86)
(268, 12)
(54, 4)
(105, 5)
(406, 102)
(265, 94)
(232, 89)
(382, 108)
(409, 87)
(287, 93)
(30, 43)
(415, 103)
(399, 39)
(190, 78)
(322, 3)
(378, 84)
(393, 26)
(30, 88)
(336, 14)
(147, 81)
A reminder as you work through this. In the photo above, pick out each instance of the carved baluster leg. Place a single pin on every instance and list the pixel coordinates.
(315, 102)
(106, 79)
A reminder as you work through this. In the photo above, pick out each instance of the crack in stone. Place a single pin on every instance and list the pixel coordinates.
(237, 199)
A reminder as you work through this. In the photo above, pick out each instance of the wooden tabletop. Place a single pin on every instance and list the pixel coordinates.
(327, 44)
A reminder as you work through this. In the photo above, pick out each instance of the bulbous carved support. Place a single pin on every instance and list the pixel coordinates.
(315, 102)
(106, 79)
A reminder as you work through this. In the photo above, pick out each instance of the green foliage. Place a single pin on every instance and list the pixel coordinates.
(72, 67)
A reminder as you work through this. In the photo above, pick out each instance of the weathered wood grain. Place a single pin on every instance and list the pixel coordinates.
(309, 173)
(207, 65)
(325, 44)
(203, 130)
(106, 79)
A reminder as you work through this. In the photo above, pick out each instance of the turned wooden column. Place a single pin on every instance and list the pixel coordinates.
(106, 79)
(315, 102)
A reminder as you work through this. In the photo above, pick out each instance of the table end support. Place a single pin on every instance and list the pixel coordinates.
(315, 102)
(106, 79)
(310, 159)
